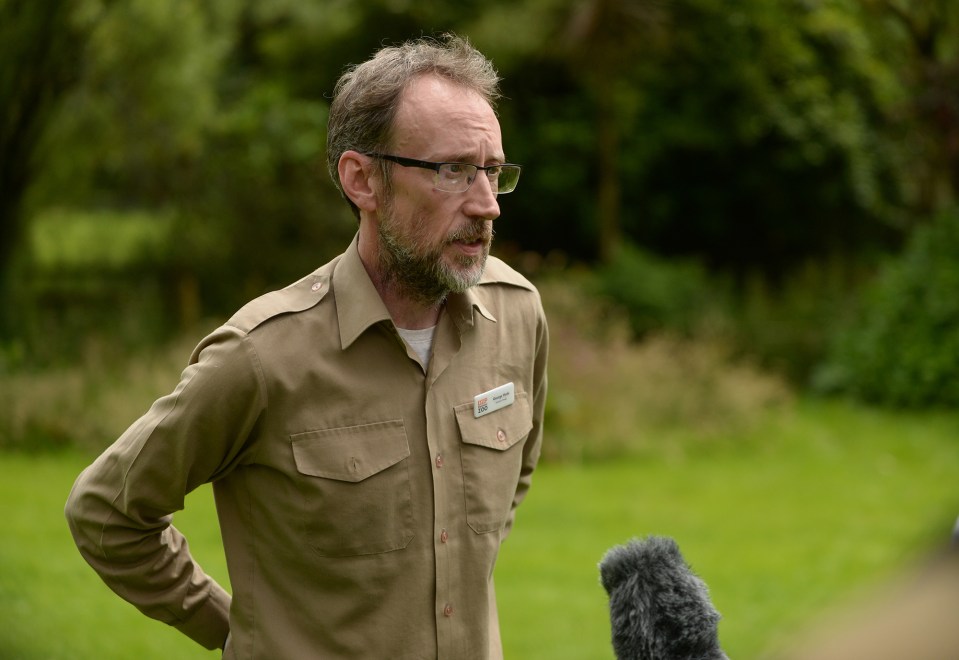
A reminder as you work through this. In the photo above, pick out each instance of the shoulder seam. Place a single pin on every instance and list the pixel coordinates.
(297, 297)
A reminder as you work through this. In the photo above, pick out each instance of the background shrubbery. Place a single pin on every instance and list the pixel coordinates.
(86, 404)
(611, 395)
(902, 348)
(762, 195)
(647, 352)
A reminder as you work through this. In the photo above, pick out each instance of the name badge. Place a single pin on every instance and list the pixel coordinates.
(496, 398)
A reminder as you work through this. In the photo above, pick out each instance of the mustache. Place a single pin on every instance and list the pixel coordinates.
(481, 231)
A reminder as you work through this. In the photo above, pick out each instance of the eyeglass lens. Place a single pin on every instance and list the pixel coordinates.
(457, 177)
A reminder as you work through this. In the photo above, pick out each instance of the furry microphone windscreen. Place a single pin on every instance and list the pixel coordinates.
(659, 609)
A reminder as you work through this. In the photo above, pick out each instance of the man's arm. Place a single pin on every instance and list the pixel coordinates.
(531, 450)
(120, 509)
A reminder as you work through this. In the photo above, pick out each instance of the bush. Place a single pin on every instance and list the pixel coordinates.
(612, 396)
(903, 348)
(787, 327)
(782, 326)
(609, 395)
(88, 404)
(655, 293)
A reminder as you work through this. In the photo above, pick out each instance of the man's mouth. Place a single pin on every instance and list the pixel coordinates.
(471, 246)
(479, 240)
(472, 237)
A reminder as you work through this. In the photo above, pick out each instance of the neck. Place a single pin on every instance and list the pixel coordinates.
(409, 309)
(407, 312)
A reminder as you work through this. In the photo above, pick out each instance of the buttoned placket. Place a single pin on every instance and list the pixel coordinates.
(445, 345)
(443, 442)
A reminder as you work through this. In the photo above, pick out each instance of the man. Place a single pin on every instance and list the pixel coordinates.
(369, 430)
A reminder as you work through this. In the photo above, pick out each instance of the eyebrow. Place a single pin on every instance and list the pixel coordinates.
(468, 160)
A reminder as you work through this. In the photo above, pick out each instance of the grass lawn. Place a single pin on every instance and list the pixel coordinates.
(780, 525)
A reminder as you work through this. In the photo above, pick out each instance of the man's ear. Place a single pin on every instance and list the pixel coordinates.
(356, 173)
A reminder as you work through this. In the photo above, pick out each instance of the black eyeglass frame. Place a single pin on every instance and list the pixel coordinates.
(430, 165)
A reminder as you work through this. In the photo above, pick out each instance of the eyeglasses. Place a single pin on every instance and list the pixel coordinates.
(458, 177)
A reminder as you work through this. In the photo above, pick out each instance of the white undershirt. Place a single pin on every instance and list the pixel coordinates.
(421, 341)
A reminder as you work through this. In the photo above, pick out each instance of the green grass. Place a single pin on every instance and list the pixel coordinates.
(818, 503)
(53, 605)
(787, 521)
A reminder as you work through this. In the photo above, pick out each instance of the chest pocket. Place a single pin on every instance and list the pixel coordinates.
(492, 454)
(355, 488)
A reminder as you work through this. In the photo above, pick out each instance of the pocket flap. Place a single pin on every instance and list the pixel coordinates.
(498, 430)
(350, 453)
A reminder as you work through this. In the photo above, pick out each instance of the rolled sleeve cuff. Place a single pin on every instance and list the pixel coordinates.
(210, 623)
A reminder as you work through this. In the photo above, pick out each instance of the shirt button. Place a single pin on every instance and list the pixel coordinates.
(316, 286)
(501, 435)
(448, 610)
(444, 536)
(439, 460)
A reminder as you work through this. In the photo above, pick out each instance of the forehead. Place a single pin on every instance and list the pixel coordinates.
(438, 118)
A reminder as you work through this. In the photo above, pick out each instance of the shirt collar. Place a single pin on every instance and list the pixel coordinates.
(359, 306)
(460, 307)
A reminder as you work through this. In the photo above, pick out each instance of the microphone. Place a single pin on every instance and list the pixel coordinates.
(659, 609)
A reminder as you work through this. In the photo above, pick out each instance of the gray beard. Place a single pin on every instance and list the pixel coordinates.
(423, 276)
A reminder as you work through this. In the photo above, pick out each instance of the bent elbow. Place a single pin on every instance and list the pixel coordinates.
(80, 518)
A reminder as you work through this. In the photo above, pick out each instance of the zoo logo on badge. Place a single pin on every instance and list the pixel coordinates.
(496, 398)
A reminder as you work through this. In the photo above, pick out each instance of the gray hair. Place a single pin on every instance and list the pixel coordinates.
(367, 96)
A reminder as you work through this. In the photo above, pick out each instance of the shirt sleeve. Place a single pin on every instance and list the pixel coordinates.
(121, 507)
(533, 445)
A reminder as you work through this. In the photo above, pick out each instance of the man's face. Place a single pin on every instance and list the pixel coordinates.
(433, 242)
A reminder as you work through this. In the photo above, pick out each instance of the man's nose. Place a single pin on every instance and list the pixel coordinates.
(482, 200)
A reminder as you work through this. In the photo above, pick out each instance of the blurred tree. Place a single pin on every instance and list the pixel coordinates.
(132, 133)
(40, 45)
(607, 44)
(920, 42)
(745, 135)
(215, 113)
(765, 146)
(574, 79)
(753, 136)
(193, 110)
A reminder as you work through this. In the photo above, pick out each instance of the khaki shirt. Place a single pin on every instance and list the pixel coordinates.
(362, 504)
